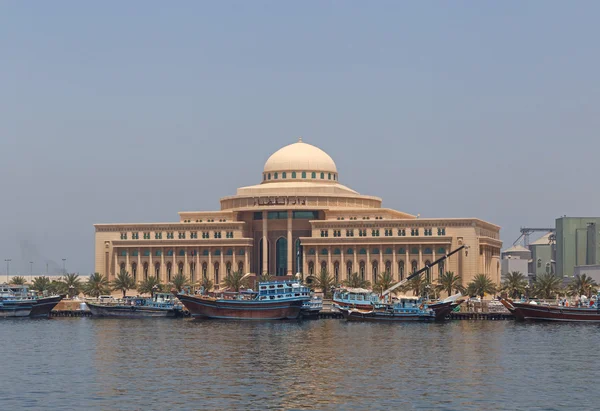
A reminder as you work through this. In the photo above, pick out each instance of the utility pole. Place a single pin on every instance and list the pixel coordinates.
(31, 271)
(64, 269)
(8, 260)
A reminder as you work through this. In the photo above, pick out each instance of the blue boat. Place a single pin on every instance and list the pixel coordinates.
(161, 305)
(405, 308)
(18, 301)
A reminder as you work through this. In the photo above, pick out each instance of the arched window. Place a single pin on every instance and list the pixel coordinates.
(205, 252)
(362, 251)
(388, 267)
(182, 253)
(229, 252)
(329, 176)
(539, 262)
(336, 272)
(375, 267)
(304, 174)
(428, 272)
(323, 251)
(275, 176)
(322, 176)
(311, 251)
(145, 268)
(414, 266)
(337, 251)
(264, 177)
(217, 252)
(169, 270)
(441, 267)
(401, 251)
(441, 251)
(313, 175)
(375, 251)
(323, 266)
(427, 251)
(284, 175)
(204, 270)
(134, 271)
(311, 268)
(388, 251)
(348, 269)
(216, 275)
(415, 250)
(241, 267)
(349, 251)
(180, 268)
(281, 256)
(192, 272)
(361, 270)
(170, 253)
(293, 174)
(157, 270)
(228, 268)
(269, 176)
(401, 269)
(299, 257)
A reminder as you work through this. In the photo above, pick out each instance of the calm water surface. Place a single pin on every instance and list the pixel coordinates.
(105, 364)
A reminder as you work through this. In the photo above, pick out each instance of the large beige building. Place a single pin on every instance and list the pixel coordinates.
(299, 219)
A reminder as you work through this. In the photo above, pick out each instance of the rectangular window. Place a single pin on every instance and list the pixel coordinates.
(428, 231)
(306, 215)
(441, 231)
(229, 234)
(158, 236)
(375, 233)
(414, 231)
(205, 234)
(349, 233)
(401, 232)
(217, 234)
(123, 236)
(324, 233)
(182, 235)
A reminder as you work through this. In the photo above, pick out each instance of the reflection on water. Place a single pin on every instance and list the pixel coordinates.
(186, 364)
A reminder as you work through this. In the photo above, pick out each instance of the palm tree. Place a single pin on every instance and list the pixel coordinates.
(180, 281)
(235, 281)
(583, 285)
(449, 282)
(416, 284)
(40, 284)
(514, 284)
(356, 281)
(324, 281)
(481, 285)
(266, 277)
(123, 282)
(207, 284)
(96, 285)
(72, 284)
(546, 286)
(18, 280)
(149, 286)
(58, 287)
(385, 281)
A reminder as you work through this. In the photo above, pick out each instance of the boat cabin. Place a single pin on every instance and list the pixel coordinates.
(278, 290)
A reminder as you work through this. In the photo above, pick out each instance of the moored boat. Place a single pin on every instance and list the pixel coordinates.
(311, 308)
(359, 298)
(274, 300)
(445, 307)
(18, 301)
(404, 309)
(530, 311)
(161, 305)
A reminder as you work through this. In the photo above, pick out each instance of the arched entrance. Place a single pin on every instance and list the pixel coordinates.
(281, 256)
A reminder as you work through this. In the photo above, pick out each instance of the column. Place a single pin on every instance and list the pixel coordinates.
(484, 261)
(174, 268)
(290, 245)
(127, 264)
(265, 248)
(198, 269)
(437, 267)
(116, 263)
(304, 265)
(394, 261)
(246, 262)
(222, 271)
(381, 264)
(162, 265)
(186, 268)
(210, 272)
(140, 269)
(355, 268)
(233, 260)
(420, 257)
(329, 266)
(368, 272)
(407, 265)
(342, 264)
(151, 272)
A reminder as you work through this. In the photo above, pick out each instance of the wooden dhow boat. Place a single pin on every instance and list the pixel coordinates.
(274, 300)
(404, 309)
(531, 311)
(18, 301)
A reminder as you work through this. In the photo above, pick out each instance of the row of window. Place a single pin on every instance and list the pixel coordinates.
(313, 175)
(374, 269)
(181, 253)
(401, 232)
(364, 218)
(210, 220)
(414, 250)
(180, 235)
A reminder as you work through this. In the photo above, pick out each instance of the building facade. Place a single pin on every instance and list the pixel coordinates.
(299, 219)
(576, 243)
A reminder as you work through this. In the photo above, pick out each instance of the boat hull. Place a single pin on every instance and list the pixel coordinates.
(530, 312)
(442, 309)
(43, 306)
(200, 307)
(14, 309)
(126, 311)
(375, 316)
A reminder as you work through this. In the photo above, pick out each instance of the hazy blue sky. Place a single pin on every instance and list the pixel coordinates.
(132, 111)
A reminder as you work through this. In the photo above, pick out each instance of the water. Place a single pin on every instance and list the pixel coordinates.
(105, 364)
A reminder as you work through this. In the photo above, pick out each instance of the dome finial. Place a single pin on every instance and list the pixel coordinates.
(299, 139)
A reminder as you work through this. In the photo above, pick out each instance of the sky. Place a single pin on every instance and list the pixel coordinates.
(133, 111)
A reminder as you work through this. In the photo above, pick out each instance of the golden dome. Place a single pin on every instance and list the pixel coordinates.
(300, 156)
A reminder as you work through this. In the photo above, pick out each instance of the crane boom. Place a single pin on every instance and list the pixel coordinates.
(422, 270)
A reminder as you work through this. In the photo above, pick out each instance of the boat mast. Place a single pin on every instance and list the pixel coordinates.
(422, 270)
